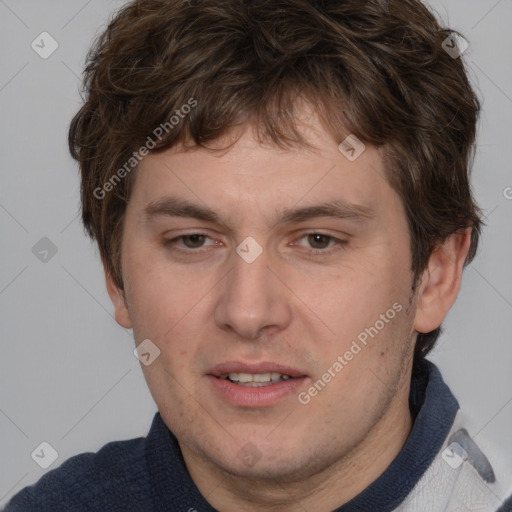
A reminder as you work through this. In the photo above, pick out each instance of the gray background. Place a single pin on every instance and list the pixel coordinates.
(68, 373)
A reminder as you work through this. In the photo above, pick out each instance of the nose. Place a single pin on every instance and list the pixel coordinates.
(252, 299)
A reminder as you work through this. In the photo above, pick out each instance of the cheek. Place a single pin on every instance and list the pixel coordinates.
(350, 300)
(367, 374)
(159, 297)
(169, 311)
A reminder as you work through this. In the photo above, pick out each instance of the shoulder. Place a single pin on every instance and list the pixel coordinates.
(464, 475)
(114, 478)
(458, 473)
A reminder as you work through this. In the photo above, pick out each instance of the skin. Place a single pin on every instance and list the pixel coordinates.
(205, 305)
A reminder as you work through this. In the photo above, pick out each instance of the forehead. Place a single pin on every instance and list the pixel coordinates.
(263, 180)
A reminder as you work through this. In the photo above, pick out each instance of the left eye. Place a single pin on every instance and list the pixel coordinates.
(193, 241)
(319, 241)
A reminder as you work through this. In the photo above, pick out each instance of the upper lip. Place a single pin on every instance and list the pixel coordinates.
(254, 368)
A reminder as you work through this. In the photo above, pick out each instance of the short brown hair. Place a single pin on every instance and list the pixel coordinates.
(373, 68)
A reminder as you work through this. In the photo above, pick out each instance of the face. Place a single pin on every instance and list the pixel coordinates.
(277, 286)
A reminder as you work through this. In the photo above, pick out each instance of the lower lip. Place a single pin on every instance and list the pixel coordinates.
(262, 396)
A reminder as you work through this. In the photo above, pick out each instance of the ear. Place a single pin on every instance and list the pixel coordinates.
(118, 299)
(440, 282)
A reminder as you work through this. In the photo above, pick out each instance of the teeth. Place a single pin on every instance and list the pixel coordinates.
(260, 377)
(247, 377)
(256, 379)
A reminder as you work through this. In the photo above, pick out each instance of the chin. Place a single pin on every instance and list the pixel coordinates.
(265, 469)
(280, 460)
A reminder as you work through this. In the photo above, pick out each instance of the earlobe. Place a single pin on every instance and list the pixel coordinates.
(118, 300)
(440, 283)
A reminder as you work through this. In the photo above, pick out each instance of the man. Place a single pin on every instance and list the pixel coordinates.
(280, 194)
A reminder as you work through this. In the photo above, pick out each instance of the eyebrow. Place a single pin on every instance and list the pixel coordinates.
(338, 209)
(173, 207)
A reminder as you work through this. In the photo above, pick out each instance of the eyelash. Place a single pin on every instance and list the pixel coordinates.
(339, 244)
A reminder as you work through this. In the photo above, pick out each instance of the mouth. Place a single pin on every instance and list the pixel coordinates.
(255, 385)
(255, 380)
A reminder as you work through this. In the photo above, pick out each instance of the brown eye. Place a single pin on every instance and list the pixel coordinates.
(319, 241)
(193, 241)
